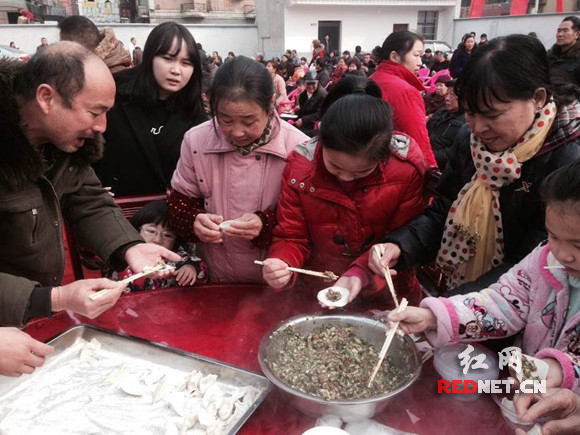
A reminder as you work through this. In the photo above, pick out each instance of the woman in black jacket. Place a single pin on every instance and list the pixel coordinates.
(156, 103)
(487, 214)
(461, 55)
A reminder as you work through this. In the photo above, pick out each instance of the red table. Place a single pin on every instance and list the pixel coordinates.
(227, 322)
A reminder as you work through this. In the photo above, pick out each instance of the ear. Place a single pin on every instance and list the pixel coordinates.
(540, 98)
(394, 57)
(45, 95)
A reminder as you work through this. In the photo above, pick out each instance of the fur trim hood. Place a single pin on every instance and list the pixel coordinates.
(20, 162)
(112, 52)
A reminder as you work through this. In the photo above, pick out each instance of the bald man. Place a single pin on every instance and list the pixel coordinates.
(52, 116)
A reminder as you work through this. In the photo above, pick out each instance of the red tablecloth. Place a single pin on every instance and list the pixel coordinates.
(227, 322)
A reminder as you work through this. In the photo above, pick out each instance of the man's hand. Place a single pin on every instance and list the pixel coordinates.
(20, 353)
(414, 320)
(206, 228)
(75, 296)
(390, 257)
(185, 275)
(276, 273)
(248, 226)
(148, 255)
(560, 405)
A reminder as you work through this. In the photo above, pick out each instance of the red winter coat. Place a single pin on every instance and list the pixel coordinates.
(322, 228)
(402, 90)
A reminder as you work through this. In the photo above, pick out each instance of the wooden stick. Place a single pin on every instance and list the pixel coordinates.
(327, 276)
(388, 341)
(162, 266)
(554, 267)
(388, 278)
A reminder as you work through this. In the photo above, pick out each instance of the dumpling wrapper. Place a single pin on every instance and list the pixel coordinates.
(541, 371)
(226, 224)
(323, 296)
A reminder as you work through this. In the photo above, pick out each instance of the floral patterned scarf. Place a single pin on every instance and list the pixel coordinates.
(472, 241)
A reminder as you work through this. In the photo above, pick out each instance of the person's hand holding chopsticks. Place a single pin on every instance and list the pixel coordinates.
(276, 273)
(382, 255)
(414, 320)
(76, 296)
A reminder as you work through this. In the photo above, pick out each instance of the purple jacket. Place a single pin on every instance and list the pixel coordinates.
(527, 298)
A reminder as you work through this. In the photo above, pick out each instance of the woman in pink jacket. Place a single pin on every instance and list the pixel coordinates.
(227, 181)
(400, 61)
(539, 296)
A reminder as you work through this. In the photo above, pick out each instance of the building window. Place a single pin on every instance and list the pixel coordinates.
(427, 24)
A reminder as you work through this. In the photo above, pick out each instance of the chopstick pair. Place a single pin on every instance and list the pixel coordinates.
(327, 276)
(388, 341)
(158, 268)
(387, 272)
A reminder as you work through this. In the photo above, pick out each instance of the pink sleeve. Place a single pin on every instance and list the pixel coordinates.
(447, 321)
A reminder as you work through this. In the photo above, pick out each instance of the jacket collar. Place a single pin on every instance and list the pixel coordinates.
(556, 278)
(398, 70)
(276, 146)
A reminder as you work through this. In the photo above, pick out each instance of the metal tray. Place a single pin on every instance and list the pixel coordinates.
(32, 393)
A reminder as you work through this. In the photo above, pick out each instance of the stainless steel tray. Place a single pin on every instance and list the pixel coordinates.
(33, 397)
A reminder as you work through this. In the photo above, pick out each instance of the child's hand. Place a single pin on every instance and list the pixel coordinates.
(206, 228)
(555, 374)
(390, 257)
(414, 320)
(248, 226)
(276, 273)
(186, 275)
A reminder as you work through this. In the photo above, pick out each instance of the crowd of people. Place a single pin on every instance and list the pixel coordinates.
(319, 163)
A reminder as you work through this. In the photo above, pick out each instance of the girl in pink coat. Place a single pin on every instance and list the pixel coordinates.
(228, 178)
(539, 296)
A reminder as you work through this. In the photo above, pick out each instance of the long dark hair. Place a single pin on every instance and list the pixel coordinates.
(496, 70)
(400, 42)
(142, 86)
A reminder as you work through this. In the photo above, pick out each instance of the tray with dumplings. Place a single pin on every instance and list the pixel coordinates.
(99, 381)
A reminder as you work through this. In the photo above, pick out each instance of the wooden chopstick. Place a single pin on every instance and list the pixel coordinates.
(96, 295)
(388, 341)
(554, 267)
(328, 276)
(388, 278)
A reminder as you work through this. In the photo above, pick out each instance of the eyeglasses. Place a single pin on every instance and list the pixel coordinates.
(153, 232)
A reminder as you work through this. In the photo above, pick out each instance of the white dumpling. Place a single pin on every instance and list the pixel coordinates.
(153, 376)
(116, 376)
(193, 381)
(206, 382)
(325, 296)
(226, 409)
(206, 418)
(90, 350)
(162, 389)
(133, 386)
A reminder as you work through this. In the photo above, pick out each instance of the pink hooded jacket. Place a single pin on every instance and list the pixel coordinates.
(232, 184)
(527, 298)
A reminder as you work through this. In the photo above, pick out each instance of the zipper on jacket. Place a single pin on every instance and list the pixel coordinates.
(34, 224)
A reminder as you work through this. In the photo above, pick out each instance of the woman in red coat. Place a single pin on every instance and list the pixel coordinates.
(400, 61)
(344, 190)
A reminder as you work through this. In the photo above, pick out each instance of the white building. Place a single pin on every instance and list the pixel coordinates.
(350, 22)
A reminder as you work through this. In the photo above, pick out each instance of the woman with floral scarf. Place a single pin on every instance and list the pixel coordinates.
(487, 215)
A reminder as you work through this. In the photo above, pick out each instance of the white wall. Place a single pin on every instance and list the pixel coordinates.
(241, 39)
(367, 26)
(545, 26)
